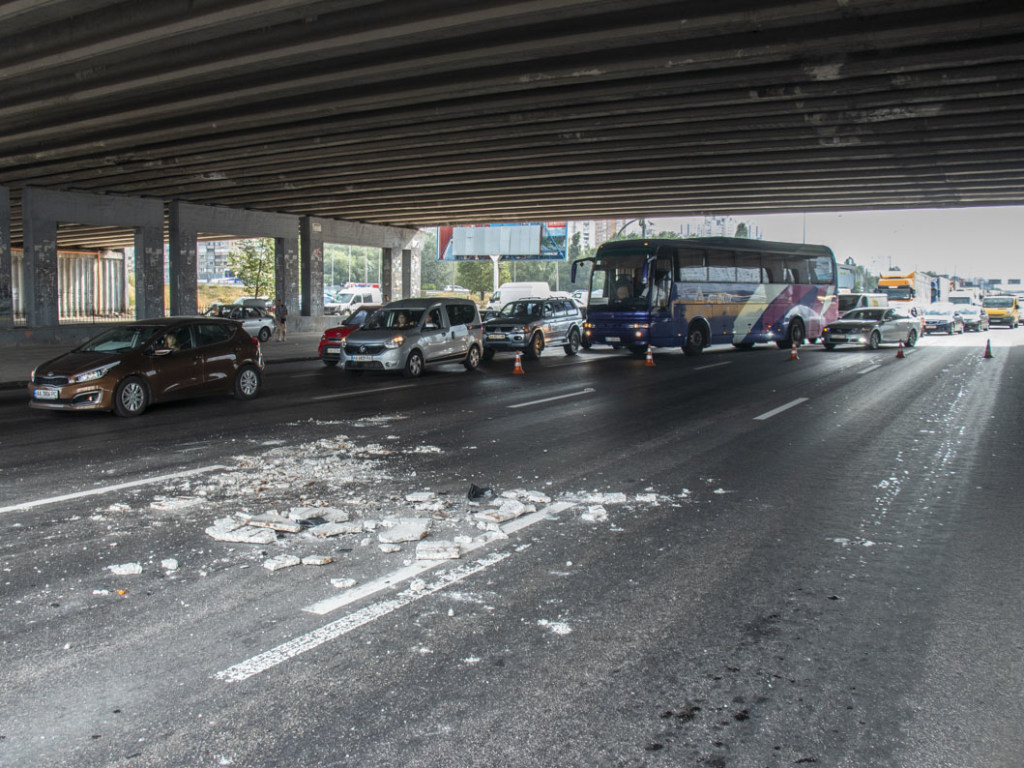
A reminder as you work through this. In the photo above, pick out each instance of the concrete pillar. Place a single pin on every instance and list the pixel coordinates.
(42, 300)
(149, 272)
(182, 262)
(388, 276)
(286, 272)
(6, 265)
(311, 266)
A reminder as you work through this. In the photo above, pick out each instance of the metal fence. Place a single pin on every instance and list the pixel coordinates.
(92, 286)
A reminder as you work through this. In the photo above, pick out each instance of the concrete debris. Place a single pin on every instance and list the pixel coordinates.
(275, 523)
(557, 627)
(343, 583)
(390, 549)
(595, 514)
(278, 562)
(317, 560)
(326, 530)
(606, 498)
(125, 569)
(438, 550)
(476, 492)
(235, 531)
(170, 564)
(647, 498)
(508, 509)
(405, 529)
(420, 496)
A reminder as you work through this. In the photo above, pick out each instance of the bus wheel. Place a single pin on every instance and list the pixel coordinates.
(696, 340)
(638, 350)
(794, 336)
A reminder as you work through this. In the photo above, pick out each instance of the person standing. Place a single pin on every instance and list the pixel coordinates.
(281, 318)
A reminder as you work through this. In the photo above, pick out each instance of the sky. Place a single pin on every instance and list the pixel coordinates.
(962, 242)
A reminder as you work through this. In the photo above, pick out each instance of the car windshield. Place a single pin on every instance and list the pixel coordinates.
(522, 310)
(121, 339)
(998, 302)
(867, 313)
(394, 318)
(358, 317)
(939, 311)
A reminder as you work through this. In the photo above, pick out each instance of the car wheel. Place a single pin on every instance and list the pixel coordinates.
(413, 364)
(472, 358)
(573, 347)
(638, 350)
(131, 397)
(794, 335)
(247, 382)
(874, 340)
(488, 353)
(828, 345)
(911, 338)
(535, 347)
(264, 333)
(696, 340)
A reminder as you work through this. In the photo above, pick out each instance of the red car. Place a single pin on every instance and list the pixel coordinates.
(330, 342)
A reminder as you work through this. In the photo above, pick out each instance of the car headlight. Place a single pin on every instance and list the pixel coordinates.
(394, 342)
(95, 373)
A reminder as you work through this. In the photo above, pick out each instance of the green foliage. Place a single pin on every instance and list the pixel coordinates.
(741, 230)
(350, 264)
(252, 261)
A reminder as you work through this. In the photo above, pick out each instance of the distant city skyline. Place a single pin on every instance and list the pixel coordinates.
(963, 242)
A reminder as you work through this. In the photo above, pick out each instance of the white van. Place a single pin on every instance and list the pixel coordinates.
(508, 292)
(851, 301)
(352, 298)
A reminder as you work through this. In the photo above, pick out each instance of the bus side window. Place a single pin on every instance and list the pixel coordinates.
(721, 266)
(748, 268)
(691, 267)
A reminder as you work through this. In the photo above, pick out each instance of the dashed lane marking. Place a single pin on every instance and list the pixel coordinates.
(871, 368)
(360, 392)
(780, 409)
(111, 488)
(586, 391)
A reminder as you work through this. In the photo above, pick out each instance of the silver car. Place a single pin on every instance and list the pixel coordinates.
(530, 325)
(410, 334)
(872, 326)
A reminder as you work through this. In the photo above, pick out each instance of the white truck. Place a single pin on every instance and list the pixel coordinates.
(970, 296)
(352, 298)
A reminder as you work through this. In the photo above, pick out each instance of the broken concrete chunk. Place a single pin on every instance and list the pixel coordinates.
(343, 583)
(390, 549)
(419, 496)
(278, 562)
(408, 529)
(335, 515)
(169, 564)
(317, 560)
(647, 498)
(275, 523)
(595, 514)
(125, 569)
(438, 550)
(606, 498)
(242, 534)
(326, 530)
(509, 509)
(536, 497)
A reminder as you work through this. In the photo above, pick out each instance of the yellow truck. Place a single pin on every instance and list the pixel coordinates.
(1002, 310)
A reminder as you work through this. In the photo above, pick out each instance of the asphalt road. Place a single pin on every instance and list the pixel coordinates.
(746, 561)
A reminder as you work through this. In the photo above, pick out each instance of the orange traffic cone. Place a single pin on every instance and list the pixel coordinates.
(519, 364)
(899, 352)
(988, 349)
(792, 352)
(650, 358)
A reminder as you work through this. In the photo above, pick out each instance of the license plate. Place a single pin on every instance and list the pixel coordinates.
(495, 336)
(362, 358)
(46, 394)
(612, 338)
(331, 350)
(838, 338)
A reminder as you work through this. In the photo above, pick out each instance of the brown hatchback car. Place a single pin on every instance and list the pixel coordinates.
(130, 366)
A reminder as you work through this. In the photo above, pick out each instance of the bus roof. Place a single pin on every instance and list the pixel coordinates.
(734, 243)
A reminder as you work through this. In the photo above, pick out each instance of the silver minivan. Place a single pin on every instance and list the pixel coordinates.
(409, 334)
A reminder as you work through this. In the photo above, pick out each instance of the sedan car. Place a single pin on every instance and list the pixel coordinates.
(331, 342)
(975, 318)
(872, 326)
(943, 318)
(130, 366)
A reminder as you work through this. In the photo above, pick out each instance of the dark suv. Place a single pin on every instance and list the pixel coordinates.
(530, 325)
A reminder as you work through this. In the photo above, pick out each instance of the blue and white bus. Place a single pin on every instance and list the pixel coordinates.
(709, 290)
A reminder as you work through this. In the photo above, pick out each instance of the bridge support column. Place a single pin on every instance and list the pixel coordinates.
(6, 276)
(311, 266)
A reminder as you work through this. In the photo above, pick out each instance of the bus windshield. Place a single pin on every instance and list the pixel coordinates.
(897, 292)
(618, 282)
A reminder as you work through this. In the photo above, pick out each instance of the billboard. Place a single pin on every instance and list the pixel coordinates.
(544, 241)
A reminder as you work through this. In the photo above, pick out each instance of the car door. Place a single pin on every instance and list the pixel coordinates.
(891, 328)
(434, 337)
(459, 336)
(219, 359)
(178, 367)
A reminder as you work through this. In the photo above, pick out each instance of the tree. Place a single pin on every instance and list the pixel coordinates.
(741, 230)
(252, 261)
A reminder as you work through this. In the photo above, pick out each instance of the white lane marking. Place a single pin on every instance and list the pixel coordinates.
(870, 368)
(350, 596)
(585, 391)
(713, 365)
(311, 640)
(360, 392)
(112, 488)
(780, 409)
